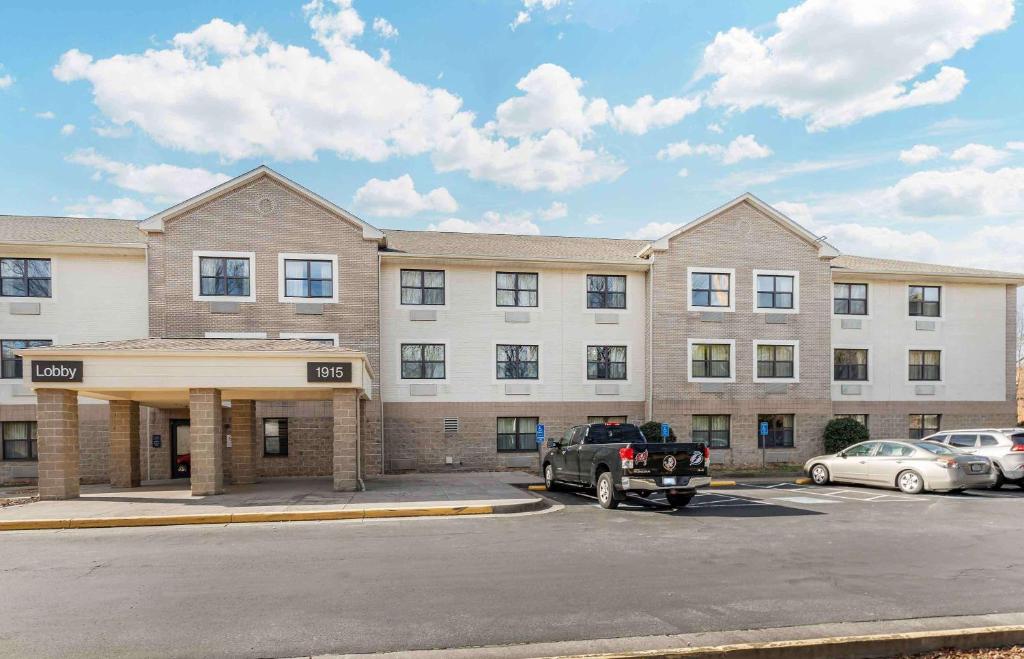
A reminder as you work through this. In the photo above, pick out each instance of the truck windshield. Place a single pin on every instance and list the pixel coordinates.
(613, 434)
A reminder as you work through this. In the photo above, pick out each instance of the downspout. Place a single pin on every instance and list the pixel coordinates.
(380, 369)
(359, 444)
(650, 340)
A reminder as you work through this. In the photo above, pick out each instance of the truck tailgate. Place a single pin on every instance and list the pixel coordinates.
(672, 459)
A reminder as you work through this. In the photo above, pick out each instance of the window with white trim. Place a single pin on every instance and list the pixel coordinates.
(25, 277)
(312, 278)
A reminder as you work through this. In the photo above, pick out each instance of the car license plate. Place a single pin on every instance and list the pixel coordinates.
(668, 480)
(977, 467)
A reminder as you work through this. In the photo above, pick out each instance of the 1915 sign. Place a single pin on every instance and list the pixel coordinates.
(328, 372)
(56, 371)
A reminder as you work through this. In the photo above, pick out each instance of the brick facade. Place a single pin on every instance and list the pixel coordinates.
(58, 444)
(125, 457)
(206, 441)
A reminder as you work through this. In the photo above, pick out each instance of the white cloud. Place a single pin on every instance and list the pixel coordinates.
(121, 208)
(112, 131)
(746, 179)
(683, 173)
(556, 211)
(5, 80)
(654, 230)
(835, 63)
(220, 37)
(716, 128)
(593, 220)
(165, 183)
(384, 28)
(646, 113)
(919, 153)
(398, 198)
(490, 222)
(980, 155)
(67, 129)
(966, 193)
(1015, 146)
(46, 115)
(529, 6)
(744, 147)
(551, 99)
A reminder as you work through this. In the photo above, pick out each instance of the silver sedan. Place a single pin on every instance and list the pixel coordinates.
(911, 466)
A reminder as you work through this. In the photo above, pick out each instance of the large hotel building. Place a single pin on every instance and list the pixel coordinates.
(461, 344)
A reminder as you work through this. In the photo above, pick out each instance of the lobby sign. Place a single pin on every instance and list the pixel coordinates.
(56, 371)
(328, 372)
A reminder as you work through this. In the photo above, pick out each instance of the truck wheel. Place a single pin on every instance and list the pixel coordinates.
(549, 479)
(679, 500)
(606, 495)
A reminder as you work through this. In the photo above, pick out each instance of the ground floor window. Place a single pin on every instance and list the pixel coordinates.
(517, 433)
(275, 437)
(780, 430)
(922, 425)
(607, 419)
(19, 439)
(860, 418)
(711, 429)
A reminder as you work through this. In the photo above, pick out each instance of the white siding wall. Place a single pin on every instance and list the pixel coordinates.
(471, 324)
(95, 298)
(970, 334)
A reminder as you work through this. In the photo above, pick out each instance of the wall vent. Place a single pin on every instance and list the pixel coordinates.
(451, 424)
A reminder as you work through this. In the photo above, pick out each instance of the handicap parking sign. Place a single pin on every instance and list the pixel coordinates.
(540, 433)
(764, 429)
(664, 430)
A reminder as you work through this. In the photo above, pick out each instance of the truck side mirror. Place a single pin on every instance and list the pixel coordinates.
(552, 443)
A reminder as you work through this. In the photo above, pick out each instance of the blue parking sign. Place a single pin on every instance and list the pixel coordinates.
(764, 429)
(540, 433)
(665, 430)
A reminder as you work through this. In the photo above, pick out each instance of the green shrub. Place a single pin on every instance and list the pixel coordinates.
(652, 432)
(840, 433)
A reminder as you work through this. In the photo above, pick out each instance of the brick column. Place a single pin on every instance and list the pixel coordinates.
(243, 441)
(345, 406)
(206, 451)
(57, 434)
(125, 470)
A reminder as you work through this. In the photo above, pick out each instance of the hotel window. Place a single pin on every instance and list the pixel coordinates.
(516, 289)
(223, 276)
(862, 419)
(775, 361)
(924, 364)
(780, 430)
(606, 419)
(518, 362)
(606, 362)
(851, 364)
(19, 438)
(711, 429)
(423, 361)
(308, 278)
(922, 425)
(850, 299)
(606, 291)
(275, 437)
(517, 433)
(10, 363)
(774, 292)
(423, 287)
(709, 289)
(710, 360)
(925, 301)
(25, 277)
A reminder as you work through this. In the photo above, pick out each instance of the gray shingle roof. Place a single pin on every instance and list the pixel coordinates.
(176, 345)
(510, 246)
(64, 230)
(893, 266)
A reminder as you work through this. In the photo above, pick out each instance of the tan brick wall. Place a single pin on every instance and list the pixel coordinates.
(890, 419)
(243, 442)
(206, 441)
(233, 223)
(415, 437)
(745, 239)
(124, 444)
(57, 416)
(345, 412)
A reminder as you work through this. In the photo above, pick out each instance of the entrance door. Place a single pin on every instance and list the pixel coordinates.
(181, 463)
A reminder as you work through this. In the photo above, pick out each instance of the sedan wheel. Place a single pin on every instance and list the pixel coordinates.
(910, 482)
(819, 474)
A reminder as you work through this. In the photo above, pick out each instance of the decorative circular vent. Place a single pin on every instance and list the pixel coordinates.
(265, 206)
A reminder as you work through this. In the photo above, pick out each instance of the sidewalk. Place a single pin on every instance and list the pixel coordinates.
(286, 499)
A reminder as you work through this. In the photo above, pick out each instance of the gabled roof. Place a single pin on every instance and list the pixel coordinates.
(825, 250)
(155, 223)
(489, 246)
(893, 267)
(70, 231)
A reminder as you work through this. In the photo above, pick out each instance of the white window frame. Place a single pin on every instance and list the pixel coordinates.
(796, 360)
(851, 346)
(196, 254)
(235, 335)
(609, 342)
(732, 359)
(310, 335)
(447, 362)
(795, 274)
(283, 256)
(716, 271)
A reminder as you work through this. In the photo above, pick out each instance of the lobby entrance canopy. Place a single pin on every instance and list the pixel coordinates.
(197, 374)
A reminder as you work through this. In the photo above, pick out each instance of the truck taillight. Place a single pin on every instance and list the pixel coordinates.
(626, 455)
(707, 452)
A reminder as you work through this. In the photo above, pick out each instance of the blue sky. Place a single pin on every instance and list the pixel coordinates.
(891, 127)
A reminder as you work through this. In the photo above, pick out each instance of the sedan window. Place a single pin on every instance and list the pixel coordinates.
(937, 449)
(861, 450)
(893, 450)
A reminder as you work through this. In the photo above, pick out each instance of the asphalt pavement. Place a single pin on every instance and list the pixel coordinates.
(739, 558)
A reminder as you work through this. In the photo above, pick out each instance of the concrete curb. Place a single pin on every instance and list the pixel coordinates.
(837, 647)
(284, 516)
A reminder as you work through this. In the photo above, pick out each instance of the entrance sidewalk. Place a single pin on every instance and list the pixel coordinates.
(167, 503)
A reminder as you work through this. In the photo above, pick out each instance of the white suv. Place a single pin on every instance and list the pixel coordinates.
(1005, 447)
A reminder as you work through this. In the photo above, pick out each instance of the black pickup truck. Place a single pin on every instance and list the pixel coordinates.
(616, 460)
